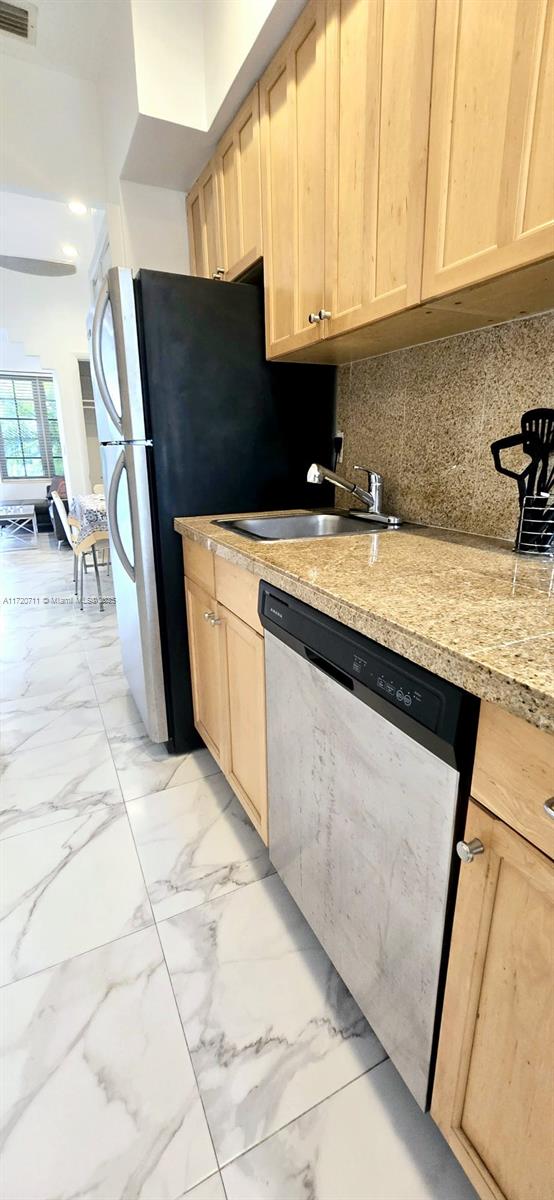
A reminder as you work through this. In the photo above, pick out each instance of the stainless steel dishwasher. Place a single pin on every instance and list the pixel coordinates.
(368, 763)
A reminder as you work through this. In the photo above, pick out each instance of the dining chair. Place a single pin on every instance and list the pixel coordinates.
(80, 549)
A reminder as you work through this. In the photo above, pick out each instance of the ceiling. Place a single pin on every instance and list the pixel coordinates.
(37, 228)
(72, 36)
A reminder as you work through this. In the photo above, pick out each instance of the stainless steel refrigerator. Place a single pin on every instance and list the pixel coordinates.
(192, 420)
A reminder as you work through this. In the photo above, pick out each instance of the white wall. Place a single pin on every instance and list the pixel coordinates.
(230, 31)
(154, 228)
(169, 58)
(50, 133)
(117, 89)
(93, 446)
(148, 229)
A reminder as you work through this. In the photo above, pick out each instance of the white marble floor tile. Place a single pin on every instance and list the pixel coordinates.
(111, 687)
(99, 634)
(195, 842)
(51, 783)
(14, 619)
(370, 1141)
(99, 1098)
(144, 767)
(271, 1028)
(210, 1189)
(91, 617)
(18, 646)
(68, 888)
(48, 718)
(32, 678)
(120, 713)
(105, 661)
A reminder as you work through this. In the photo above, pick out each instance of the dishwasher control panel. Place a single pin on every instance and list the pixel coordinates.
(359, 663)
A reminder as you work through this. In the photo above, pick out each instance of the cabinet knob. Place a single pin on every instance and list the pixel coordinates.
(314, 318)
(208, 615)
(549, 807)
(467, 850)
(218, 273)
(214, 620)
(324, 314)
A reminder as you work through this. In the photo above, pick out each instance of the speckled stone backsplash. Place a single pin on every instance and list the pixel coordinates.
(425, 418)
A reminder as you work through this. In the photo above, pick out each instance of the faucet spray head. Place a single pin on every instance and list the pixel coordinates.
(315, 474)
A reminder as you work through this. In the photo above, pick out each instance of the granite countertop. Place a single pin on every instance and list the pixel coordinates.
(466, 608)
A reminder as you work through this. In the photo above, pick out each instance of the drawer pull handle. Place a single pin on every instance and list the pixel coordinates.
(467, 850)
(549, 807)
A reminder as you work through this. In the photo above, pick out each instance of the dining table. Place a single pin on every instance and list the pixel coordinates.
(89, 510)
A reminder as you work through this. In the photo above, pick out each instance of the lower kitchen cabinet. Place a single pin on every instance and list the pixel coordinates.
(493, 1093)
(206, 670)
(228, 674)
(244, 708)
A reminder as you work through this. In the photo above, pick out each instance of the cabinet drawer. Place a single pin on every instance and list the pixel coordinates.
(199, 565)
(237, 589)
(513, 774)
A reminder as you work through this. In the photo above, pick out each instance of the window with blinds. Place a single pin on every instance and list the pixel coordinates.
(30, 446)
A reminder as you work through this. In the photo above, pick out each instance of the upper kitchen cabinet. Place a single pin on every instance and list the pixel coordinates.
(204, 225)
(490, 190)
(240, 202)
(378, 86)
(292, 114)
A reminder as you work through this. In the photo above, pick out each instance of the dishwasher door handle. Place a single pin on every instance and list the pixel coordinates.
(329, 669)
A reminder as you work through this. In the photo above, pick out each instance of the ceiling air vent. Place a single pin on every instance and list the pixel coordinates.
(18, 21)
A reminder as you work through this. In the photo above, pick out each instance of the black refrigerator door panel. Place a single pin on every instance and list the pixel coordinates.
(230, 431)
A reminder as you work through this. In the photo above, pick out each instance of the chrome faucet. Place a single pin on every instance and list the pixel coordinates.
(372, 498)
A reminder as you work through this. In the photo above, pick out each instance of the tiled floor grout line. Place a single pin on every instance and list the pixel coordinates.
(323, 1099)
(211, 899)
(155, 925)
(73, 957)
(203, 904)
(169, 786)
(64, 820)
(152, 924)
(304, 1113)
(201, 1098)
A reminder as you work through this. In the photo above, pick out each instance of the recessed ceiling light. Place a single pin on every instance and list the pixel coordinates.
(77, 207)
(69, 251)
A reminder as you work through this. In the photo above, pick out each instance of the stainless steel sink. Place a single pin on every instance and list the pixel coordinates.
(308, 525)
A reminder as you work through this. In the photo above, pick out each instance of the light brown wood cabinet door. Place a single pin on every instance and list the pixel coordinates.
(195, 226)
(206, 667)
(204, 224)
(493, 1094)
(490, 190)
(244, 761)
(292, 114)
(378, 87)
(239, 183)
